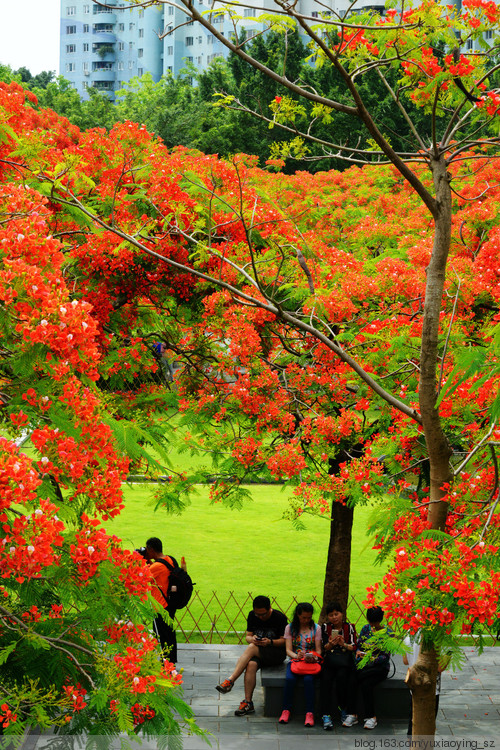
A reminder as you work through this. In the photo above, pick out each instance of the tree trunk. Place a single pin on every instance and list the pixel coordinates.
(423, 674)
(422, 682)
(338, 561)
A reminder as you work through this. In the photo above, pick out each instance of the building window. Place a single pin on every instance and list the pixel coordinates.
(70, 67)
(85, 67)
(189, 41)
(86, 9)
(85, 85)
(170, 10)
(70, 29)
(249, 12)
(200, 40)
(131, 26)
(219, 19)
(130, 64)
(170, 50)
(121, 27)
(140, 72)
(71, 10)
(131, 45)
(85, 47)
(121, 66)
(121, 46)
(86, 28)
(70, 48)
(140, 53)
(315, 14)
(141, 33)
(469, 44)
(200, 59)
(189, 59)
(489, 34)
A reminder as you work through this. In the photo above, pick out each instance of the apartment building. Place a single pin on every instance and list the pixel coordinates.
(104, 48)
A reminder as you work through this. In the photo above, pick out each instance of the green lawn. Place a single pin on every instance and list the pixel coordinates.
(248, 551)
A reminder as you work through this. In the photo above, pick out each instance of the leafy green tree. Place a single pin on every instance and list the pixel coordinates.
(40, 80)
(59, 95)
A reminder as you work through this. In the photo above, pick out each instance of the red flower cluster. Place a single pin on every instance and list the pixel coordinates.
(77, 695)
(6, 716)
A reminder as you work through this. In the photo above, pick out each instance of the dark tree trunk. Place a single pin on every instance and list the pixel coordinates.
(338, 561)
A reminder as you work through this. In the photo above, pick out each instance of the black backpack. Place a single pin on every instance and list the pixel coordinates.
(180, 585)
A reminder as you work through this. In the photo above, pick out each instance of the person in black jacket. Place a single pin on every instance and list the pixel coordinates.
(339, 641)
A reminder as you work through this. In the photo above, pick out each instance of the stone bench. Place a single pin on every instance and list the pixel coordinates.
(392, 696)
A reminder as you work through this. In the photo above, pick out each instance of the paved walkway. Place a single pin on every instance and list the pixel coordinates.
(468, 718)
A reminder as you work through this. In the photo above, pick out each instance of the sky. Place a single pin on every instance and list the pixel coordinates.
(29, 34)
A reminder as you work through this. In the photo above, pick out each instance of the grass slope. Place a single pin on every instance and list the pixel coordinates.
(253, 550)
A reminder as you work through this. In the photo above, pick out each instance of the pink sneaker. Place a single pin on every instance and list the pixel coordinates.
(285, 717)
(309, 722)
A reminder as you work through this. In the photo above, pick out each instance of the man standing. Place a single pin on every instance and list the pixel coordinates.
(266, 638)
(161, 573)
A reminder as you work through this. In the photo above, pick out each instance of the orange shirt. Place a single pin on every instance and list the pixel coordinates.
(161, 574)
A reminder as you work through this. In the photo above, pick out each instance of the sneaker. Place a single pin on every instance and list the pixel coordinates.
(327, 722)
(309, 722)
(350, 721)
(285, 717)
(370, 723)
(225, 687)
(246, 707)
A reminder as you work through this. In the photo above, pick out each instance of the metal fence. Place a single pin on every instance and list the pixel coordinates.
(221, 617)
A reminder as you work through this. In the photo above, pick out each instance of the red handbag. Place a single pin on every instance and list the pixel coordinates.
(301, 666)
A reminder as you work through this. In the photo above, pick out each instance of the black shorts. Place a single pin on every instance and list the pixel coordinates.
(269, 656)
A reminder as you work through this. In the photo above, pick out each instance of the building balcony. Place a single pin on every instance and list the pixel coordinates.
(102, 77)
(105, 51)
(104, 18)
(103, 34)
(101, 85)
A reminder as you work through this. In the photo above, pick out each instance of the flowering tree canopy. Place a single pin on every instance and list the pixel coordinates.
(75, 607)
(339, 331)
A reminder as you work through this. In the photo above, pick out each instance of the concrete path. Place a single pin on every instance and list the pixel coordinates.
(468, 718)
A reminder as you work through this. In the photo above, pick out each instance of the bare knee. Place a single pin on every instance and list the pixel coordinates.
(252, 667)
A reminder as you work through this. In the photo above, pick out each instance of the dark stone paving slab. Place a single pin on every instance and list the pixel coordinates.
(469, 708)
(469, 712)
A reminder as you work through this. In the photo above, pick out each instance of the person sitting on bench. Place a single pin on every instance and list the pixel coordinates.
(265, 636)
